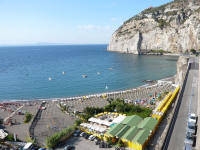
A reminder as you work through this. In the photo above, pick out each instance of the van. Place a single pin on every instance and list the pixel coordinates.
(28, 146)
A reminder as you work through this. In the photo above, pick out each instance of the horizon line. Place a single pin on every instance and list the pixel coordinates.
(51, 44)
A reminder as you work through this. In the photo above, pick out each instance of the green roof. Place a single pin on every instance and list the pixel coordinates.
(115, 129)
(122, 131)
(148, 123)
(132, 120)
(130, 134)
(141, 136)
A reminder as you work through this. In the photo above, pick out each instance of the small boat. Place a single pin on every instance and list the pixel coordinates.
(63, 72)
(98, 73)
(106, 87)
(50, 78)
(84, 76)
(110, 68)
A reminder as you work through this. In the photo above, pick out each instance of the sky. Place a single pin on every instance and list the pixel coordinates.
(24, 22)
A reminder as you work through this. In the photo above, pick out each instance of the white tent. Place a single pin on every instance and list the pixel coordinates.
(3, 134)
(119, 119)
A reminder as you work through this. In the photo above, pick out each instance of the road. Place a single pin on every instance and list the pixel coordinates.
(188, 104)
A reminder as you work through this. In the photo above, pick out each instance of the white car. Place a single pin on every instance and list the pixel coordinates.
(192, 118)
(92, 137)
(189, 139)
(191, 128)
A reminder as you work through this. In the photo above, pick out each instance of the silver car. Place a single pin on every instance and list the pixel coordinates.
(189, 139)
(191, 128)
(188, 147)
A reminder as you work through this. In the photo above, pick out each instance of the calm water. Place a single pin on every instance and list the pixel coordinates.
(25, 71)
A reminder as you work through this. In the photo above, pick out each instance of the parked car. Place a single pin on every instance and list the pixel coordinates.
(28, 146)
(97, 141)
(192, 118)
(189, 139)
(188, 147)
(82, 134)
(77, 133)
(102, 145)
(42, 149)
(69, 147)
(87, 136)
(191, 128)
(92, 137)
(108, 145)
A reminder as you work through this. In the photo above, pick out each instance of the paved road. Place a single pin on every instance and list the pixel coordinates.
(189, 104)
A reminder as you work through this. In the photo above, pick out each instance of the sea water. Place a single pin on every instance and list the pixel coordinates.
(35, 72)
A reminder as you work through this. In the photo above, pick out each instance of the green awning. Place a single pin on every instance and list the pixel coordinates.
(132, 120)
(141, 136)
(122, 131)
(148, 123)
(115, 129)
(130, 134)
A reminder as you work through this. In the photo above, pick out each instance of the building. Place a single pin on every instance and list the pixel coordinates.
(134, 131)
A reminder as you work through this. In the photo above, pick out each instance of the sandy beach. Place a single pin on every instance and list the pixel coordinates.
(53, 119)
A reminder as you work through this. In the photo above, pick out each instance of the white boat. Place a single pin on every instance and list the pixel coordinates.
(84, 76)
(106, 87)
(98, 73)
(50, 78)
(63, 72)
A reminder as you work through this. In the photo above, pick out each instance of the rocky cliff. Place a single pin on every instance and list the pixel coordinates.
(173, 27)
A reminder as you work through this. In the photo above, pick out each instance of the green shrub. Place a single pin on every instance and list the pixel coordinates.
(162, 23)
(120, 143)
(10, 137)
(28, 117)
(193, 51)
(77, 122)
(88, 112)
(171, 13)
(29, 139)
(58, 137)
(119, 106)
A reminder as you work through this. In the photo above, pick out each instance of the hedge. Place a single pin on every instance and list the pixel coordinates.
(58, 137)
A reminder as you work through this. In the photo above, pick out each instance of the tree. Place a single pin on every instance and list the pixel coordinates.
(109, 140)
(28, 117)
(193, 51)
(109, 100)
(120, 143)
(77, 122)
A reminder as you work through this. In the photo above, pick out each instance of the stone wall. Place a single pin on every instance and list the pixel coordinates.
(181, 64)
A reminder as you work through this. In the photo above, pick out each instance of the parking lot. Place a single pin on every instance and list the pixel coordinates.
(52, 120)
(81, 143)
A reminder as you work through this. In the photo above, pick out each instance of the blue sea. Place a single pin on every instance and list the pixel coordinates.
(35, 72)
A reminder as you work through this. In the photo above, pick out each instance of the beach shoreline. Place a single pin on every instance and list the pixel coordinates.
(145, 85)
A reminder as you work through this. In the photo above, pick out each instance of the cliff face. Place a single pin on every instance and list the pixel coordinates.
(174, 27)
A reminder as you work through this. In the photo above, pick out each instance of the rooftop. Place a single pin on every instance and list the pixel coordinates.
(132, 120)
(148, 123)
